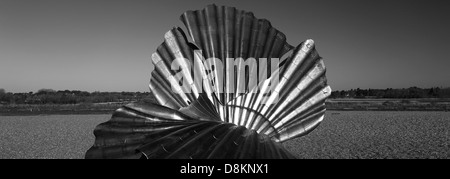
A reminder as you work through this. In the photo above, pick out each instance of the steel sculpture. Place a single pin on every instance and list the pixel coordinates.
(205, 112)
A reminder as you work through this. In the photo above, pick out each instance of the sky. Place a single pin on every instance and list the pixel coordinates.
(106, 45)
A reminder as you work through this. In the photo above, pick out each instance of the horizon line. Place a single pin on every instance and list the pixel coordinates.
(149, 91)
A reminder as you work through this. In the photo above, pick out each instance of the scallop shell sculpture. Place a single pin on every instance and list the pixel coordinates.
(211, 113)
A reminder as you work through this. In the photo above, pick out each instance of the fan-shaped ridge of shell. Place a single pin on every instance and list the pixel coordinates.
(225, 32)
(296, 103)
(206, 115)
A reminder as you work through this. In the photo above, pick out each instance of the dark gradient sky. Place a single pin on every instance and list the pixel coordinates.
(105, 45)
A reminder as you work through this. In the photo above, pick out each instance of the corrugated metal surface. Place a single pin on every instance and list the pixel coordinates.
(225, 32)
(296, 103)
(145, 130)
(206, 120)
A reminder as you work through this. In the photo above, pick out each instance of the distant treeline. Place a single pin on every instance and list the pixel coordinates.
(49, 96)
(413, 92)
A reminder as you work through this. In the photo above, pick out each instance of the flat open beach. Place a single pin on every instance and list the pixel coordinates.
(342, 134)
